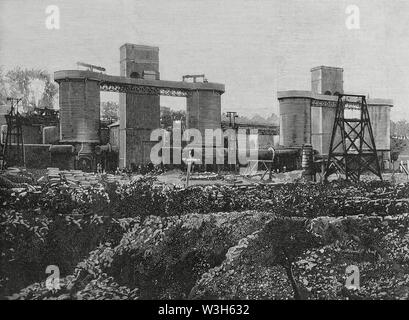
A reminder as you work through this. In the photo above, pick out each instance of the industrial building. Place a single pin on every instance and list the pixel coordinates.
(81, 143)
(307, 117)
(139, 88)
(80, 140)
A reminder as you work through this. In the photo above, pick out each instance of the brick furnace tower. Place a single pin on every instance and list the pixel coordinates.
(139, 114)
(327, 80)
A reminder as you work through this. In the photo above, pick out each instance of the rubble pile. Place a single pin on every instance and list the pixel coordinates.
(78, 178)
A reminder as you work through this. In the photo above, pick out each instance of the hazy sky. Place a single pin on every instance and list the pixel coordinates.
(254, 47)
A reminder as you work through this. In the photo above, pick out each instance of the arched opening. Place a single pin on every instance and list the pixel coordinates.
(135, 75)
(336, 93)
(327, 93)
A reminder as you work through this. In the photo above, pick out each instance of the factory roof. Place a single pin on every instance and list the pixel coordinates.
(141, 46)
(326, 67)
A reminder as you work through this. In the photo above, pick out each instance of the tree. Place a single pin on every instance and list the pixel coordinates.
(400, 128)
(167, 118)
(34, 86)
(397, 146)
(284, 239)
(3, 88)
(110, 110)
(274, 119)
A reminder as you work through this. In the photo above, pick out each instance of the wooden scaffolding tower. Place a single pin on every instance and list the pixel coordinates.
(13, 151)
(352, 149)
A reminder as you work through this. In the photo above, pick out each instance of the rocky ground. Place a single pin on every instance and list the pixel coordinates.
(147, 240)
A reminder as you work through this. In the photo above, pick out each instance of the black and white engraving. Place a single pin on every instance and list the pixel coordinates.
(204, 150)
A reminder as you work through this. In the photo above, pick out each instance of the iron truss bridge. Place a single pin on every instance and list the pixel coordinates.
(144, 90)
(138, 86)
(352, 105)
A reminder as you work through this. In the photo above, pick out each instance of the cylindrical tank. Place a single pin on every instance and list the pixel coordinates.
(59, 148)
(203, 110)
(295, 121)
(379, 114)
(79, 111)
